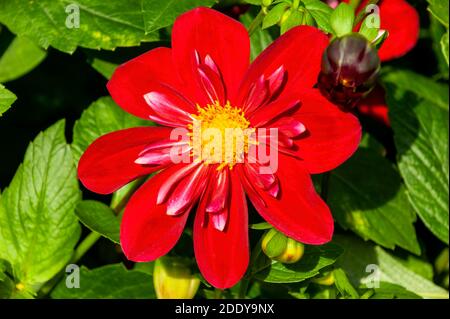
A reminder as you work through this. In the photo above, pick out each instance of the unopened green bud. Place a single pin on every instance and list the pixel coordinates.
(172, 279)
(266, 3)
(326, 280)
(293, 252)
(281, 248)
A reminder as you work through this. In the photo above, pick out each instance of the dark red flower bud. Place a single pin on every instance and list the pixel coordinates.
(350, 66)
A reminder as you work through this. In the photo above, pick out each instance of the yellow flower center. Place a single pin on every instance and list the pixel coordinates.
(220, 135)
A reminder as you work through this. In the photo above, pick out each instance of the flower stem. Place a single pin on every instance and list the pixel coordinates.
(256, 22)
(84, 246)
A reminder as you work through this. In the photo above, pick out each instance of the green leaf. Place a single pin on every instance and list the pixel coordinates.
(321, 13)
(360, 260)
(259, 40)
(2, 269)
(20, 57)
(417, 265)
(437, 32)
(423, 87)
(6, 288)
(108, 282)
(366, 195)
(274, 15)
(9, 290)
(38, 227)
(444, 46)
(146, 267)
(159, 14)
(102, 24)
(343, 285)
(7, 98)
(441, 262)
(419, 119)
(392, 291)
(314, 259)
(439, 8)
(295, 18)
(101, 117)
(99, 218)
(341, 19)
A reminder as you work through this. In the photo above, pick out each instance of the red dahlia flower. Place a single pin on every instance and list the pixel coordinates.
(206, 75)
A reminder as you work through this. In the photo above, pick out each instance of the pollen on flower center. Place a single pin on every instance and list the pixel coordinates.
(220, 135)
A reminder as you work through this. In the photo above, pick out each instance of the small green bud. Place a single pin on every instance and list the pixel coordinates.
(293, 252)
(172, 279)
(281, 248)
(326, 280)
(266, 3)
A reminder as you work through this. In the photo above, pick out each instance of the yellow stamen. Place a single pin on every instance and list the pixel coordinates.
(220, 135)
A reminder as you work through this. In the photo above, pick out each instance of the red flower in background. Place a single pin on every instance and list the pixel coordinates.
(206, 75)
(401, 20)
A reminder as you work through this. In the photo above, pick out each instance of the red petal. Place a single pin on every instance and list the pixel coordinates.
(211, 83)
(331, 136)
(289, 126)
(272, 110)
(218, 199)
(298, 211)
(209, 32)
(401, 20)
(263, 181)
(219, 221)
(151, 71)
(257, 95)
(188, 190)
(223, 256)
(147, 232)
(299, 51)
(375, 106)
(109, 162)
(168, 185)
(276, 80)
(169, 106)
